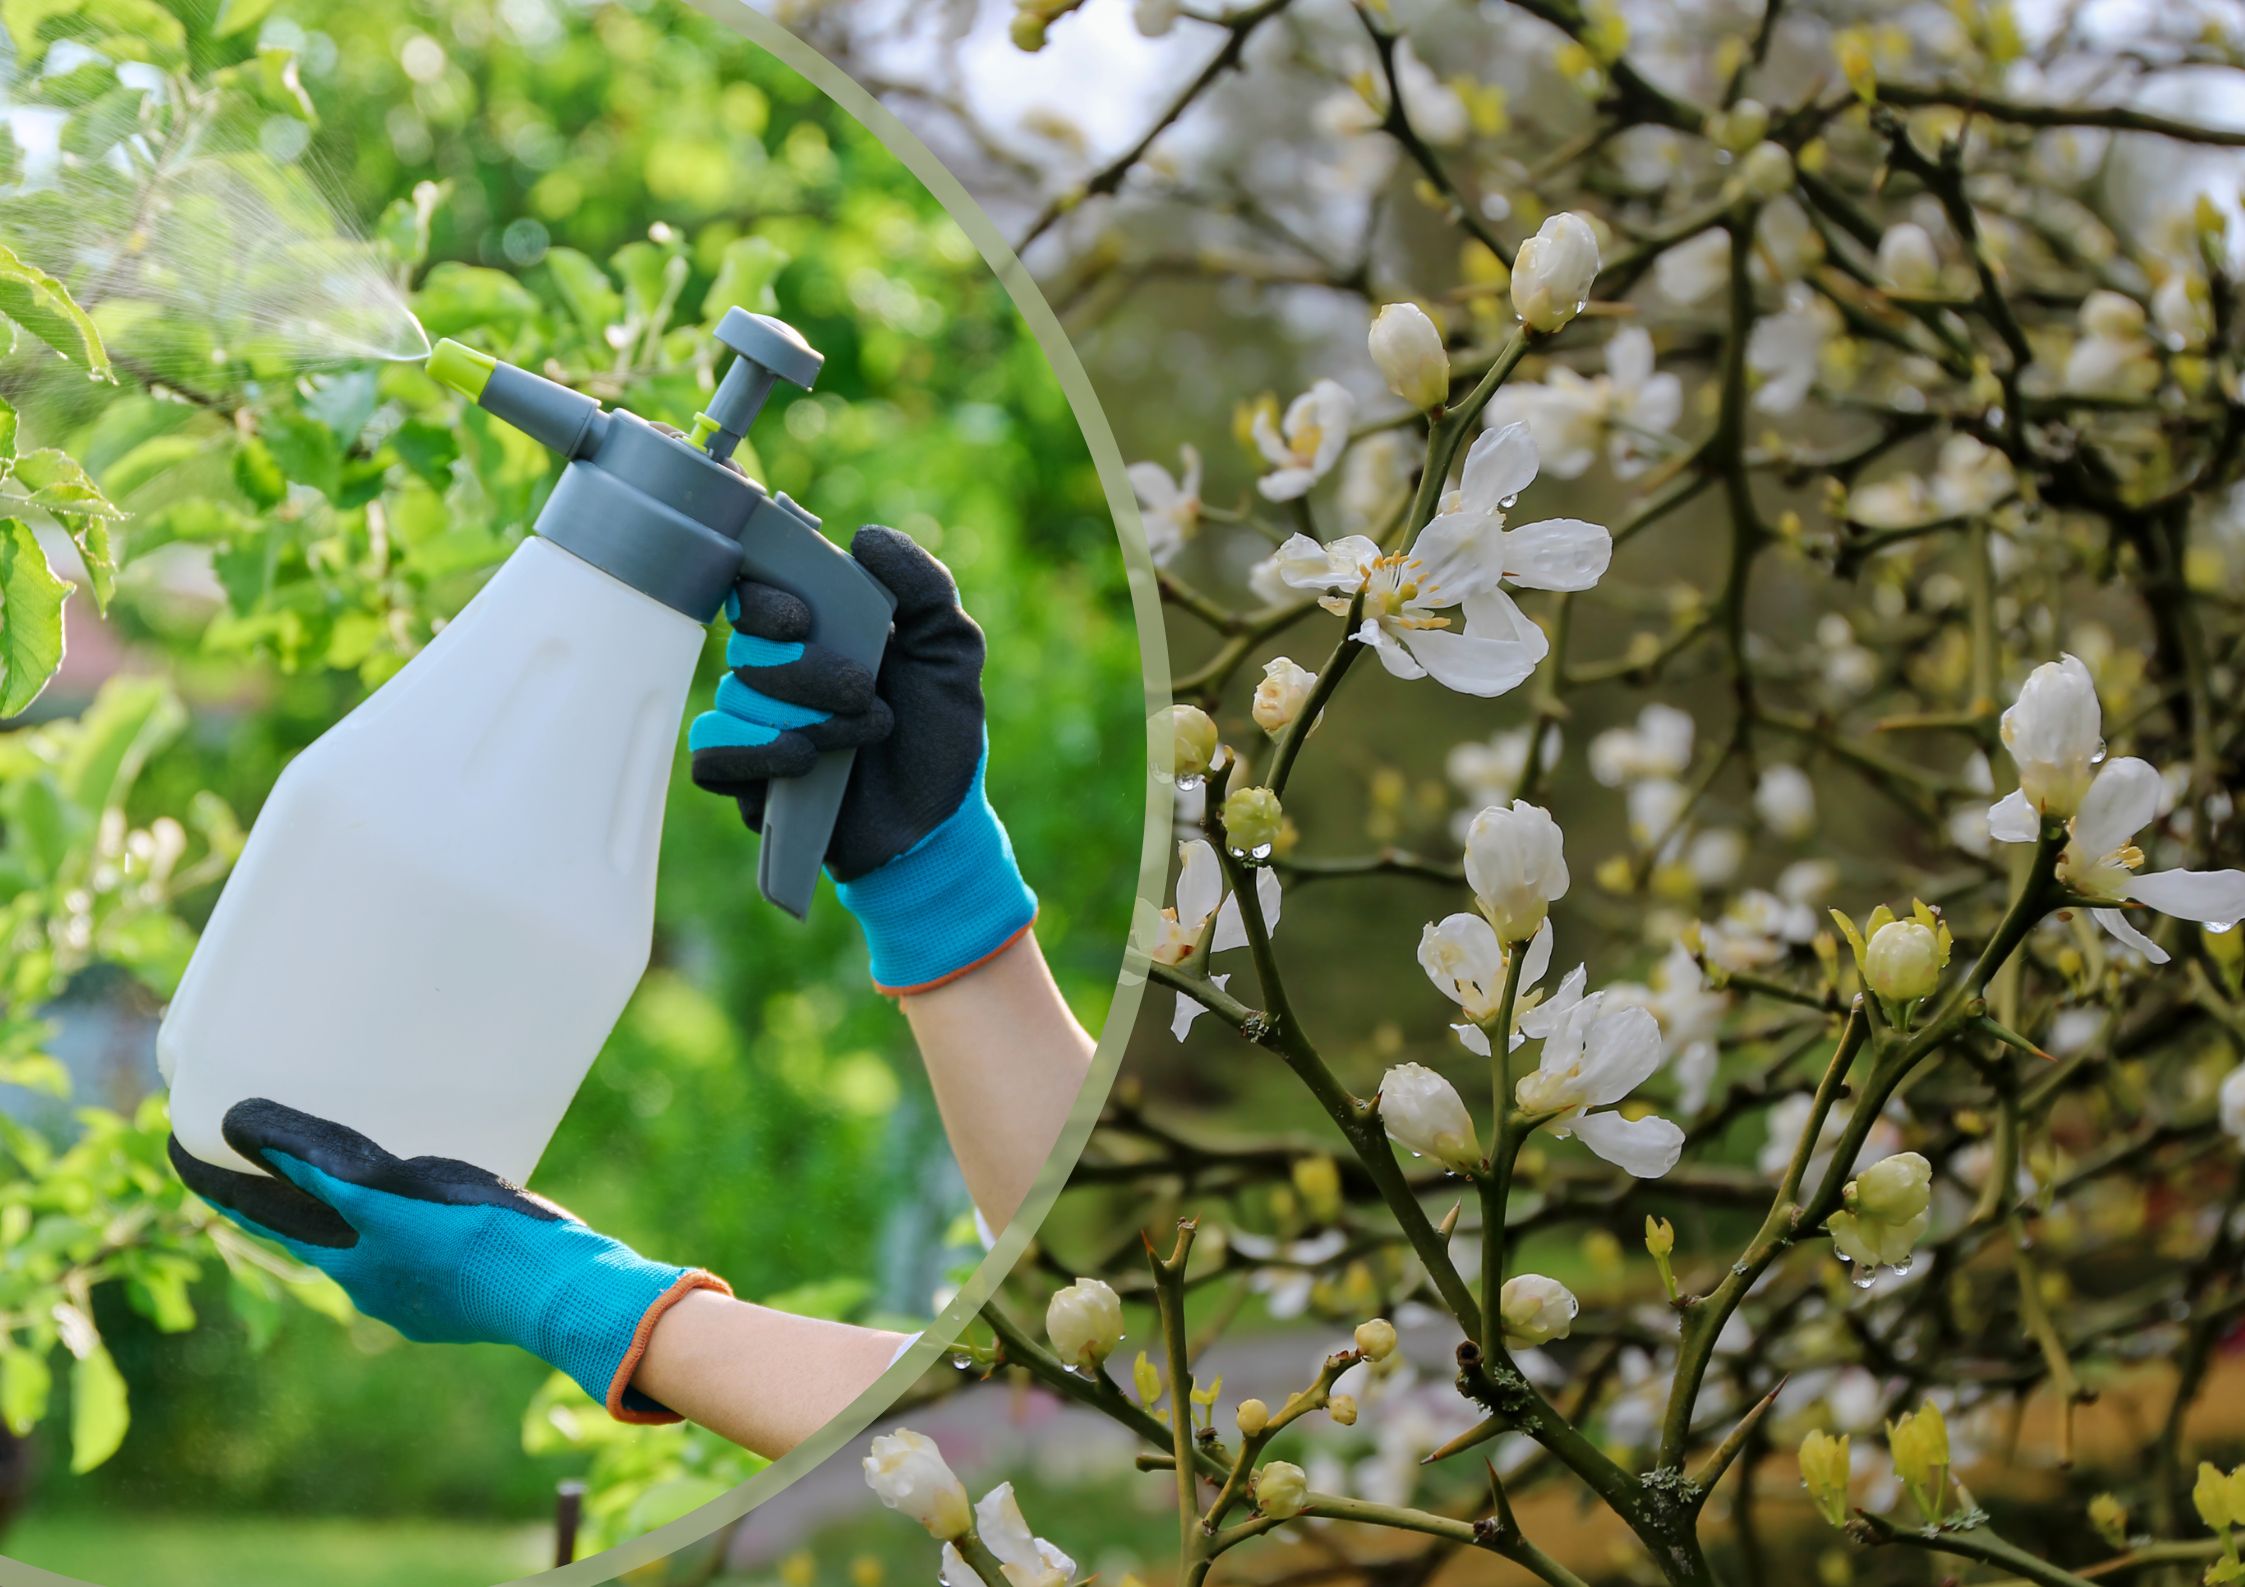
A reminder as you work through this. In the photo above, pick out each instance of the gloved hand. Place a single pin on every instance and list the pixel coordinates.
(445, 1251)
(918, 855)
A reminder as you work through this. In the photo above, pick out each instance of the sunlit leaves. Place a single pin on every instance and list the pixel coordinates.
(39, 303)
(31, 598)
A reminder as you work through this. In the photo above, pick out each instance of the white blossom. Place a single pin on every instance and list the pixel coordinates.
(1516, 864)
(1279, 698)
(1785, 799)
(1629, 410)
(1658, 744)
(1084, 1321)
(2055, 733)
(1786, 350)
(1593, 1057)
(1553, 271)
(1536, 1310)
(2112, 357)
(1696, 268)
(1459, 563)
(2231, 1102)
(1908, 261)
(2182, 310)
(1303, 447)
(908, 1474)
(1424, 1114)
(1169, 936)
(1169, 506)
(1409, 353)
(1027, 1559)
(2101, 858)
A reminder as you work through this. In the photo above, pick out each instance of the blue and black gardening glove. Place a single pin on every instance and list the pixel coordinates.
(918, 855)
(447, 1252)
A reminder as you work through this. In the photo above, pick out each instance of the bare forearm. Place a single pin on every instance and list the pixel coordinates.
(1006, 1059)
(765, 1379)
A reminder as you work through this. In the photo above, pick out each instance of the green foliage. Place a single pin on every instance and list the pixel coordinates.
(283, 541)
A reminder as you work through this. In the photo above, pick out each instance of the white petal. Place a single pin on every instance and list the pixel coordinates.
(1475, 1038)
(1303, 564)
(1498, 466)
(1620, 1052)
(1557, 554)
(2012, 819)
(2122, 800)
(1547, 1016)
(2216, 898)
(1539, 956)
(1286, 484)
(1646, 1148)
(1629, 357)
(1493, 614)
(1188, 1010)
(1200, 883)
(1470, 663)
(1459, 554)
(2116, 922)
(1390, 650)
(1155, 488)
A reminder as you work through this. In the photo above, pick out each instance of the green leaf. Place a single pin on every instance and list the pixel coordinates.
(239, 16)
(258, 474)
(31, 600)
(94, 129)
(25, 1380)
(7, 435)
(129, 720)
(744, 278)
(305, 451)
(35, 1071)
(99, 1414)
(458, 298)
(154, 947)
(592, 299)
(59, 487)
(40, 304)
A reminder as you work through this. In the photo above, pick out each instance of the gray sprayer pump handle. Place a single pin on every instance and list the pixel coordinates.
(674, 518)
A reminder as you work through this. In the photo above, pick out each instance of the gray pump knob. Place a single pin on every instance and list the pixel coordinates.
(768, 351)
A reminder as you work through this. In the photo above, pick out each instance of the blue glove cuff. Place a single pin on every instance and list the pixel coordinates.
(948, 903)
(600, 1318)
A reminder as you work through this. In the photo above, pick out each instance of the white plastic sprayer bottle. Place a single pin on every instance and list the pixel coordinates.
(449, 897)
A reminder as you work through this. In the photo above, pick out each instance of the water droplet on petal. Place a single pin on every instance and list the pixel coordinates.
(1902, 1268)
(1188, 784)
(1865, 1276)
(1506, 505)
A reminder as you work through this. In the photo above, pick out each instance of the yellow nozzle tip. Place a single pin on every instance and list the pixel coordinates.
(462, 368)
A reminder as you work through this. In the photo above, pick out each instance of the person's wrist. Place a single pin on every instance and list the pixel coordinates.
(953, 901)
(594, 1317)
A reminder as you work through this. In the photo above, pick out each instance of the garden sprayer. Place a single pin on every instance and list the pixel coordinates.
(449, 897)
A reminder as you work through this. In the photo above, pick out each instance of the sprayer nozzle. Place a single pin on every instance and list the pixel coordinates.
(462, 368)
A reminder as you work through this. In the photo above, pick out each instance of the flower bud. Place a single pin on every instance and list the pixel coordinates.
(1281, 1489)
(1553, 272)
(1154, 18)
(2182, 310)
(1425, 1114)
(1279, 698)
(2210, 1497)
(1084, 1322)
(2108, 1518)
(1375, 1340)
(1908, 261)
(2111, 316)
(1824, 1472)
(1253, 1416)
(1028, 31)
(1740, 127)
(1342, 1408)
(1767, 171)
(1536, 1309)
(907, 1472)
(1252, 818)
(1516, 864)
(2055, 732)
(1317, 1180)
(1919, 1442)
(1893, 1189)
(1660, 1245)
(1785, 799)
(1903, 961)
(1192, 737)
(1409, 352)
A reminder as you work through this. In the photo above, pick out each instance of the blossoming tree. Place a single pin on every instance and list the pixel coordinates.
(1900, 361)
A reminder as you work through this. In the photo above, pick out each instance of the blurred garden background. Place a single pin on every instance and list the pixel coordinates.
(274, 523)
